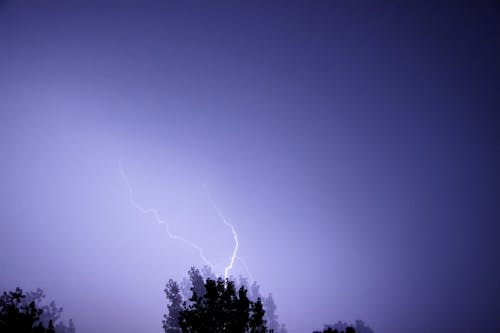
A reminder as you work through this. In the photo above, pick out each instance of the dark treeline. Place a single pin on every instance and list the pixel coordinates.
(204, 303)
(195, 282)
(359, 327)
(22, 312)
(201, 303)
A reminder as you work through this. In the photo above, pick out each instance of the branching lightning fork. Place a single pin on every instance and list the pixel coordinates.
(156, 215)
(233, 230)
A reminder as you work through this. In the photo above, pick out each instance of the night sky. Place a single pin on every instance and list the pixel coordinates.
(353, 145)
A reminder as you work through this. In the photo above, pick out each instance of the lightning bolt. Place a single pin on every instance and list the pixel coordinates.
(234, 256)
(235, 251)
(233, 230)
(236, 244)
(156, 216)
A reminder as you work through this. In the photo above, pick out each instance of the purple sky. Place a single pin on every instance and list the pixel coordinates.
(354, 146)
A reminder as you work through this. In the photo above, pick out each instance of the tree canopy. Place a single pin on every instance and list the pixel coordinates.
(222, 308)
(348, 329)
(22, 312)
(16, 315)
(195, 282)
(204, 303)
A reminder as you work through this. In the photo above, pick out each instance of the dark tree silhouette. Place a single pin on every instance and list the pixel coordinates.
(197, 277)
(171, 321)
(257, 321)
(254, 291)
(195, 280)
(268, 304)
(50, 312)
(222, 309)
(359, 326)
(271, 317)
(348, 329)
(17, 316)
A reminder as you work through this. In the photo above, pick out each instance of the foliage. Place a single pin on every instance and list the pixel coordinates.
(348, 329)
(359, 326)
(171, 321)
(222, 309)
(271, 317)
(196, 280)
(23, 312)
(50, 312)
(203, 303)
(18, 315)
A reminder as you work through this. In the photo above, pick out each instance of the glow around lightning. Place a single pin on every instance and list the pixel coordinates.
(235, 237)
(156, 215)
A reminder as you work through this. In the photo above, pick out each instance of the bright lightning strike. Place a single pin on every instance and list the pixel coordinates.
(159, 220)
(236, 243)
(233, 230)
(235, 236)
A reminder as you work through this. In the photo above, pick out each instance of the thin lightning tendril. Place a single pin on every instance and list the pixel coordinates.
(159, 220)
(235, 251)
(236, 244)
(233, 230)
